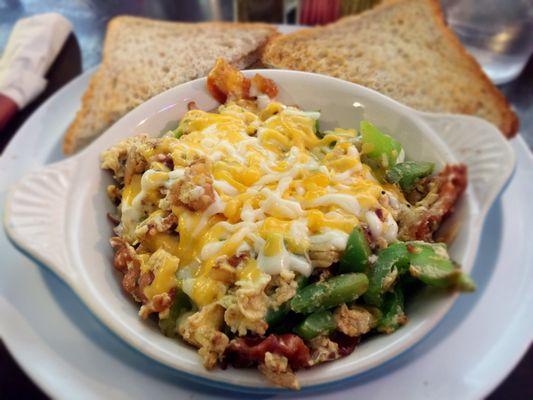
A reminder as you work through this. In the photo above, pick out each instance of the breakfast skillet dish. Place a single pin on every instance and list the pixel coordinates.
(266, 242)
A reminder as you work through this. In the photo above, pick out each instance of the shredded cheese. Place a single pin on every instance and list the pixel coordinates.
(280, 193)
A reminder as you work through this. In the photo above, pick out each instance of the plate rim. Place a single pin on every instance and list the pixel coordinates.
(13, 143)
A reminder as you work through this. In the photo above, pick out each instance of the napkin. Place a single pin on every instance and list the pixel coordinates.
(32, 47)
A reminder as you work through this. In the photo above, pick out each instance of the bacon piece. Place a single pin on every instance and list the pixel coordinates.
(226, 82)
(125, 256)
(160, 303)
(134, 281)
(346, 343)
(235, 259)
(424, 218)
(126, 261)
(217, 93)
(191, 105)
(145, 279)
(130, 280)
(265, 85)
(250, 350)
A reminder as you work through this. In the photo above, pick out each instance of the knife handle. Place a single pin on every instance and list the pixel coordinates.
(8, 109)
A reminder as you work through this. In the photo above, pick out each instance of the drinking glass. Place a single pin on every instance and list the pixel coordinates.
(498, 33)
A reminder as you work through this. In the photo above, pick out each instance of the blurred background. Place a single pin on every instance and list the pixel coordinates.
(499, 33)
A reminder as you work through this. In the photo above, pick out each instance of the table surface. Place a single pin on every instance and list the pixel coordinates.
(83, 51)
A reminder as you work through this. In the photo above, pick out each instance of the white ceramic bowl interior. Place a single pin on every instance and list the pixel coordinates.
(58, 214)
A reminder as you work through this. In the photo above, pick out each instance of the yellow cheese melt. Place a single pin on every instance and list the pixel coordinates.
(286, 179)
(250, 272)
(206, 291)
(164, 267)
(166, 241)
(133, 189)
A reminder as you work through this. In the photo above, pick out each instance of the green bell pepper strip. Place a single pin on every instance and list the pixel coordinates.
(391, 262)
(406, 174)
(180, 306)
(431, 264)
(465, 283)
(355, 257)
(275, 316)
(317, 129)
(329, 293)
(379, 149)
(318, 323)
(302, 281)
(393, 311)
(178, 132)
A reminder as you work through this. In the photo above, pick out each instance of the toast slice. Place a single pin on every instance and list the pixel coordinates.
(403, 49)
(144, 57)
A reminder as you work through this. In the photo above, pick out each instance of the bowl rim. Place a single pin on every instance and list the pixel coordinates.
(208, 377)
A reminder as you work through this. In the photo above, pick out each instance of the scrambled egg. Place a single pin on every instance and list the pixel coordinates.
(246, 180)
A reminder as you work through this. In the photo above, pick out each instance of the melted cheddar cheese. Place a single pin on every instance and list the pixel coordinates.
(280, 194)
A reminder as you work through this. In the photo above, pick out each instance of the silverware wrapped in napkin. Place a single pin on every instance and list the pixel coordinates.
(32, 47)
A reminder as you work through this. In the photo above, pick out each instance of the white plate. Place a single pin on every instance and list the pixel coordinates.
(67, 351)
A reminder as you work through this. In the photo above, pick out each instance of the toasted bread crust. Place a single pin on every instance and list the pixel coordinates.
(70, 139)
(281, 53)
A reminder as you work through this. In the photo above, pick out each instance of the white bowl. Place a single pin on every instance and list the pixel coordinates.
(58, 214)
